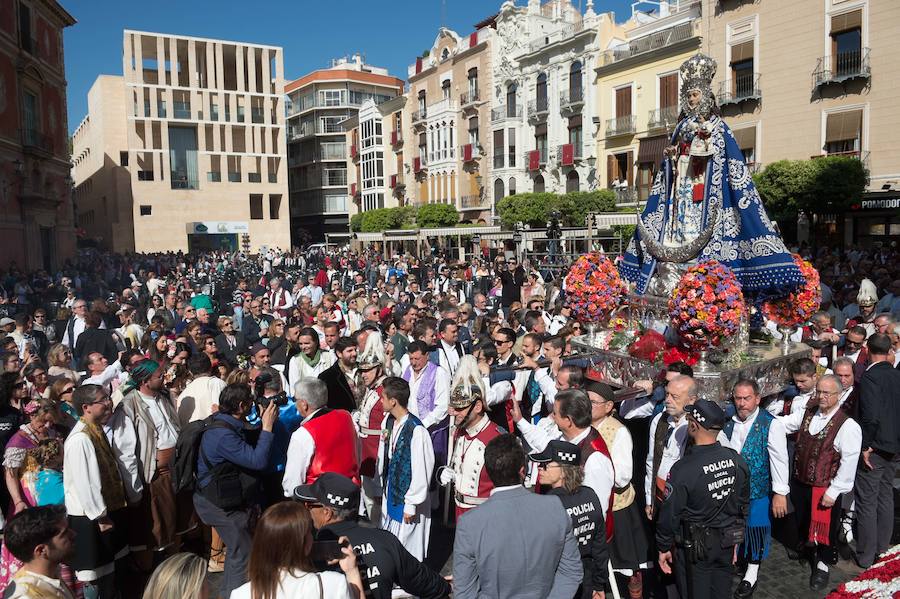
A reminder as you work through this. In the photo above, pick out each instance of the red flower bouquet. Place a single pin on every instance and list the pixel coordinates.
(796, 308)
(707, 306)
(881, 580)
(649, 346)
(594, 288)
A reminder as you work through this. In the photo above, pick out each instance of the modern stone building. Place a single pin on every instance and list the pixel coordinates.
(186, 151)
(318, 154)
(36, 216)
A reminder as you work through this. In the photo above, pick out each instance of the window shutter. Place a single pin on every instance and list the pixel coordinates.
(846, 21)
(742, 52)
(630, 169)
(610, 170)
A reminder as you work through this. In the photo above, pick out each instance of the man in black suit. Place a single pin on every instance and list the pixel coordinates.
(341, 376)
(94, 339)
(879, 418)
(512, 279)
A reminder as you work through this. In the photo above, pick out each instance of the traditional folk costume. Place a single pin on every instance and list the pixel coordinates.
(324, 442)
(867, 296)
(406, 463)
(369, 419)
(825, 460)
(761, 441)
(429, 393)
(667, 442)
(93, 489)
(144, 434)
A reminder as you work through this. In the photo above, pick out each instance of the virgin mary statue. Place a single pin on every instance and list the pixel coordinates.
(703, 205)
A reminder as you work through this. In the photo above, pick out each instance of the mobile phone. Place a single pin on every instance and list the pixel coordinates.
(325, 551)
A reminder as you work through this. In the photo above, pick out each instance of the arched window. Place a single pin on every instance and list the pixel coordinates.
(572, 181)
(511, 100)
(575, 81)
(541, 94)
(512, 186)
(498, 190)
(539, 184)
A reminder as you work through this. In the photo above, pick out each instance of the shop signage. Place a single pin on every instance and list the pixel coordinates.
(218, 227)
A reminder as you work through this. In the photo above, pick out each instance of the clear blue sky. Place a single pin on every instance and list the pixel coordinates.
(390, 33)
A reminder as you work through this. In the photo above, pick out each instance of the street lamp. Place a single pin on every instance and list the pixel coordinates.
(517, 238)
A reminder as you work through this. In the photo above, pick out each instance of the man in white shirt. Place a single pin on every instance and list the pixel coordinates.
(101, 372)
(803, 373)
(200, 398)
(667, 439)
(279, 299)
(95, 500)
(824, 469)
(761, 441)
(449, 350)
(429, 386)
(76, 325)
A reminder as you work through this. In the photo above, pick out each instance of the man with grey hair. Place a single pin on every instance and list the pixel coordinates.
(372, 313)
(824, 468)
(325, 441)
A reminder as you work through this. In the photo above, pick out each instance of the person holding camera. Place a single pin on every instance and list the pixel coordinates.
(267, 389)
(326, 440)
(228, 473)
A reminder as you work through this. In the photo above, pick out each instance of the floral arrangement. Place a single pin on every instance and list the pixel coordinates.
(797, 307)
(594, 288)
(649, 346)
(676, 354)
(707, 305)
(881, 580)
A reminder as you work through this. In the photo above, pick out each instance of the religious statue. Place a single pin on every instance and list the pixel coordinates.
(704, 206)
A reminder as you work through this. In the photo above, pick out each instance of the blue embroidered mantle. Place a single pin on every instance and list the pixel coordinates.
(743, 237)
(397, 474)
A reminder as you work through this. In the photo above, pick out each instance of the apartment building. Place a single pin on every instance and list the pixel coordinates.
(544, 109)
(318, 153)
(446, 132)
(376, 177)
(637, 92)
(813, 78)
(185, 151)
(36, 220)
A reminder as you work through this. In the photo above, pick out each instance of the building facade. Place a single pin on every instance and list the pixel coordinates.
(637, 94)
(37, 219)
(814, 78)
(318, 153)
(186, 151)
(446, 124)
(543, 101)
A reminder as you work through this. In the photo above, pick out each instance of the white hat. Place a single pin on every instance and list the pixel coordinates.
(6, 321)
(868, 293)
(372, 354)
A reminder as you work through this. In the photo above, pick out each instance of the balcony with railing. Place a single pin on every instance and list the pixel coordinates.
(418, 165)
(841, 67)
(396, 138)
(562, 34)
(538, 109)
(860, 155)
(333, 151)
(475, 201)
(535, 159)
(469, 152)
(32, 139)
(623, 125)
(335, 177)
(510, 111)
(569, 154)
(469, 99)
(571, 101)
(662, 119)
(419, 116)
(743, 88)
(649, 43)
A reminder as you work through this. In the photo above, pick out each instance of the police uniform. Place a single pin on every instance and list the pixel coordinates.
(703, 512)
(381, 558)
(586, 511)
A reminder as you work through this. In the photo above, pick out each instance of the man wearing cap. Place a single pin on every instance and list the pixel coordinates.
(628, 552)
(761, 441)
(866, 299)
(701, 518)
(369, 418)
(473, 430)
(144, 434)
(333, 502)
(824, 468)
(325, 441)
(560, 469)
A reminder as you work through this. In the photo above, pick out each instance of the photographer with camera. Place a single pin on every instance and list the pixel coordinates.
(325, 442)
(267, 389)
(228, 473)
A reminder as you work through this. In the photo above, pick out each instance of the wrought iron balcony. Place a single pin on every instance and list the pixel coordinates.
(662, 119)
(469, 152)
(859, 155)
(538, 109)
(648, 43)
(841, 67)
(568, 154)
(467, 99)
(623, 125)
(510, 111)
(535, 159)
(571, 101)
(740, 89)
(419, 115)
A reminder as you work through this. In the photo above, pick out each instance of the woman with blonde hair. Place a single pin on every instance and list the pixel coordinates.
(181, 576)
(59, 358)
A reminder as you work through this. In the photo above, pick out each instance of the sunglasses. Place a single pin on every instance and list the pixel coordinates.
(67, 391)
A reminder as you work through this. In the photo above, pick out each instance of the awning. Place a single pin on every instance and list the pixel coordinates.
(842, 126)
(651, 149)
(606, 221)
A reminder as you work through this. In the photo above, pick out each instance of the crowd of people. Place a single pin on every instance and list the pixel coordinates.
(303, 422)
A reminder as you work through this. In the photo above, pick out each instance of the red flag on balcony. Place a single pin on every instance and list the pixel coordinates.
(353, 151)
(393, 181)
(467, 152)
(534, 160)
(473, 40)
(568, 154)
(353, 189)
(393, 138)
(418, 65)
(417, 164)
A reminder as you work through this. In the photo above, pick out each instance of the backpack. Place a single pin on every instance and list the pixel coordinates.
(187, 450)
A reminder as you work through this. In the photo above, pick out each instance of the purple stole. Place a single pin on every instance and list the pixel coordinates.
(440, 431)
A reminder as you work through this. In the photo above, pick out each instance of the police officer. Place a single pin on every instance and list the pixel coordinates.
(704, 508)
(333, 502)
(560, 468)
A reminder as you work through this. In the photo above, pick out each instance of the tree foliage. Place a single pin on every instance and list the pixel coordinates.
(820, 185)
(356, 222)
(431, 216)
(381, 219)
(535, 208)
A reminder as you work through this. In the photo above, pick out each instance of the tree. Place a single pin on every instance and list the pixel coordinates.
(535, 208)
(356, 222)
(820, 185)
(436, 215)
(381, 219)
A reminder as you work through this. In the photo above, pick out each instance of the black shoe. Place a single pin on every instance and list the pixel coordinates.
(792, 553)
(744, 590)
(819, 580)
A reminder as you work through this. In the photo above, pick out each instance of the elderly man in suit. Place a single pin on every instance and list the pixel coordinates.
(516, 544)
